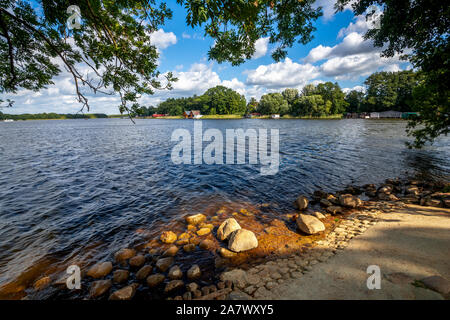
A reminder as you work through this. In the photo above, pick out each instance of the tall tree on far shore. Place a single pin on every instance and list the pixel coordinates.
(252, 106)
(290, 95)
(273, 103)
(355, 101)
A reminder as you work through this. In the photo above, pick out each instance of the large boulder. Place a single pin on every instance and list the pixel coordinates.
(100, 270)
(196, 219)
(350, 201)
(301, 203)
(242, 240)
(309, 224)
(226, 228)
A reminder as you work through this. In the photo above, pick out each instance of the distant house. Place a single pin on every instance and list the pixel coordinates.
(253, 115)
(408, 115)
(351, 115)
(275, 116)
(374, 115)
(192, 114)
(156, 115)
(391, 114)
(364, 115)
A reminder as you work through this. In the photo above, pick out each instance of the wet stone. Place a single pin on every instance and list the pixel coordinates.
(164, 263)
(120, 276)
(42, 283)
(189, 247)
(175, 273)
(99, 288)
(168, 237)
(126, 293)
(196, 219)
(173, 285)
(137, 261)
(191, 287)
(194, 272)
(171, 251)
(144, 272)
(100, 270)
(124, 254)
(155, 279)
(197, 293)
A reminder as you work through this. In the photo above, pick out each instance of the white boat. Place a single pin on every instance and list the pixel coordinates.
(8, 120)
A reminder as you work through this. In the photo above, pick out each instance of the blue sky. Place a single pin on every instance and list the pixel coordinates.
(337, 53)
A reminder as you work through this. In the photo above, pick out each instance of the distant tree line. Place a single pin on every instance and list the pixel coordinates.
(50, 116)
(384, 91)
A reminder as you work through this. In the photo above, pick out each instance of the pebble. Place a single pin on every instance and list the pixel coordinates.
(155, 279)
(144, 272)
(175, 273)
(194, 272)
(124, 254)
(137, 261)
(99, 288)
(120, 276)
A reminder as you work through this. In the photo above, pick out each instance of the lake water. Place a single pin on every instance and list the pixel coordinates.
(77, 190)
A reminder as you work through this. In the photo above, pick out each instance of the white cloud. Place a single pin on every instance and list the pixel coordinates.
(352, 44)
(318, 53)
(328, 8)
(354, 66)
(355, 88)
(362, 24)
(282, 74)
(261, 47)
(196, 80)
(162, 39)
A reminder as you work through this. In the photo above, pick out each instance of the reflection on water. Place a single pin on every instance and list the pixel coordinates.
(78, 190)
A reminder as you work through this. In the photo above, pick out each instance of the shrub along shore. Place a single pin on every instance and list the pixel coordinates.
(249, 254)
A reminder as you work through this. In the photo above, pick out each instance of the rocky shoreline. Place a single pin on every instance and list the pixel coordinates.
(250, 255)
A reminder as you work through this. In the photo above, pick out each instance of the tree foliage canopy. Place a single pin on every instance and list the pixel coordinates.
(114, 42)
(418, 30)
